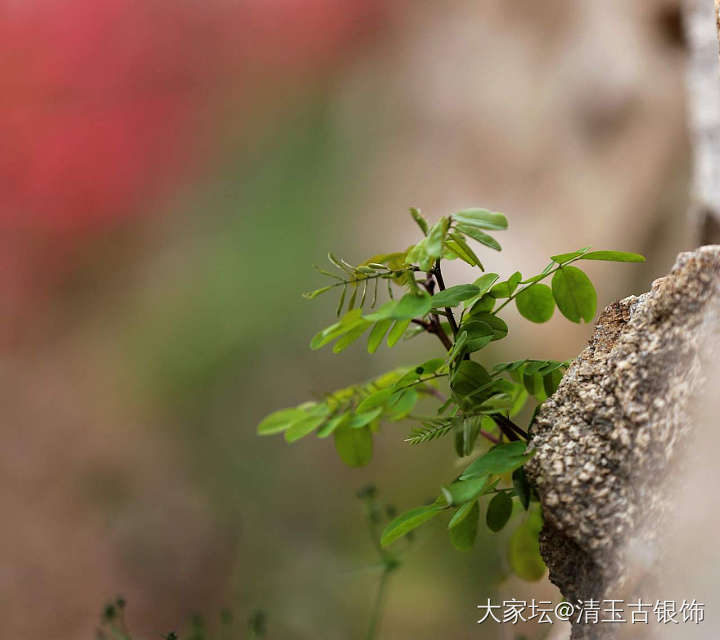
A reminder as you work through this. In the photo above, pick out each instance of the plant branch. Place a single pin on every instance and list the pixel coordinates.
(441, 285)
(389, 563)
(434, 327)
(421, 380)
(489, 436)
(508, 427)
(362, 277)
(432, 391)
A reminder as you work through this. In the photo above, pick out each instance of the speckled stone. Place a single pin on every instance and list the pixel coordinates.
(606, 438)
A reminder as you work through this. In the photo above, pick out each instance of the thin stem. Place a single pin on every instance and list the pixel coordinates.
(421, 380)
(441, 285)
(432, 391)
(508, 427)
(389, 563)
(549, 273)
(489, 436)
(519, 291)
(377, 607)
(434, 325)
(372, 276)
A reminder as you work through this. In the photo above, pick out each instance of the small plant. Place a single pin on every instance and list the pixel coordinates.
(113, 626)
(480, 402)
(389, 561)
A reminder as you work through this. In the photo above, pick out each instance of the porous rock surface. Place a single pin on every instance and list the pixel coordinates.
(605, 440)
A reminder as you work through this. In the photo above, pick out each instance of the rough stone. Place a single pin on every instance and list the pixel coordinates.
(606, 439)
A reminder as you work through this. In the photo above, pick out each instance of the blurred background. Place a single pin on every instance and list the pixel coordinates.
(169, 172)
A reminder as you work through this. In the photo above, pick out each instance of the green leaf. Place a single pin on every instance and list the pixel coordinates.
(498, 402)
(551, 365)
(353, 334)
(377, 333)
(341, 264)
(404, 404)
(279, 421)
(509, 366)
(430, 430)
(522, 487)
(464, 530)
(353, 296)
(499, 511)
(485, 281)
(350, 320)
(303, 427)
(524, 549)
(325, 272)
(429, 366)
(481, 218)
(385, 312)
(574, 294)
(458, 346)
(463, 250)
(394, 260)
(551, 381)
(421, 222)
(311, 295)
(436, 237)
(614, 256)
(534, 366)
(453, 296)
(462, 491)
(341, 301)
(562, 258)
(535, 387)
(412, 306)
(363, 419)
(502, 458)
(374, 400)
(483, 304)
(466, 433)
(479, 236)
(532, 279)
(461, 513)
(519, 397)
(468, 377)
(397, 331)
(408, 521)
(331, 425)
(407, 378)
(536, 303)
(498, 325)
(354, 446)
(419, 256)
(506, 288)
(479, 334)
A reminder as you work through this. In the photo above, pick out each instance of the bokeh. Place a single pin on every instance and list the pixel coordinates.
(170, 171)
